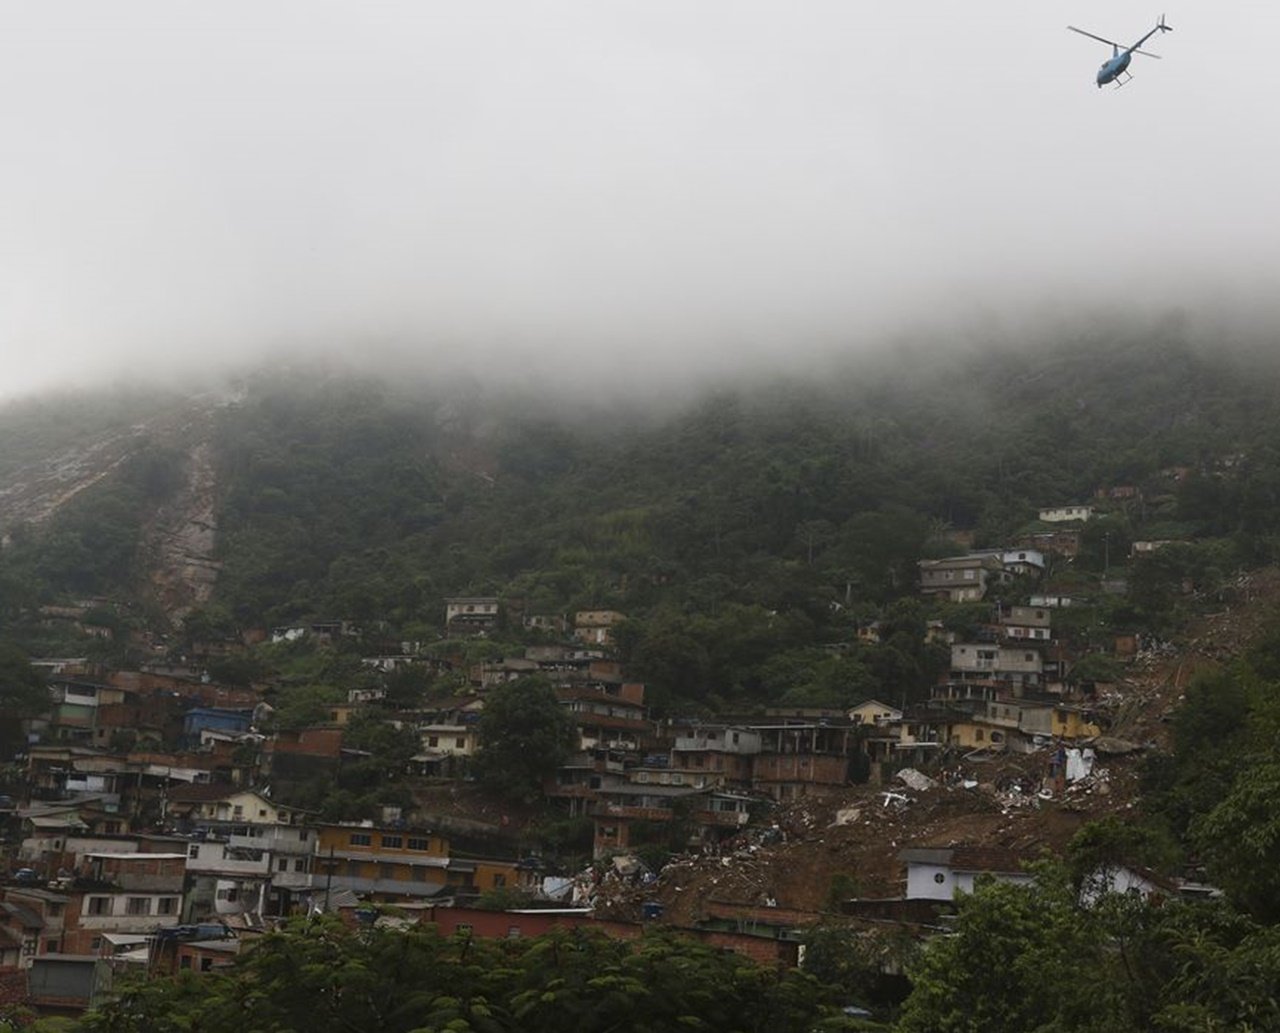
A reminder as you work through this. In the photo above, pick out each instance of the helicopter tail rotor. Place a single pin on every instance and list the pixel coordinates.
(1162, 26)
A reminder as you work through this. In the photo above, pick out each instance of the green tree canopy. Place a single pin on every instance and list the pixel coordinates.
(319, 976)
(525, 734)
(23, 694)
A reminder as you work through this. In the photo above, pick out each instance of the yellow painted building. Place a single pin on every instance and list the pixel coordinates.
(975, 735)
(1069, 723)
(873, 712)
(388, 864)
(342, 713)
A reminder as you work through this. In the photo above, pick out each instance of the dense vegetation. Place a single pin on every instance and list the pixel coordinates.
(320, 976)
(1032, 959)
(1217, 791)
(743, 533)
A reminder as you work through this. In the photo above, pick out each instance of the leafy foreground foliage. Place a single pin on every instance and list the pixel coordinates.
(320, 976)
(1218, 792)
(1019, 959)
(1031, 958)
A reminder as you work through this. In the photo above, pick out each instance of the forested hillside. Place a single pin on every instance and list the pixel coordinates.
(760, 511)
(363, 500)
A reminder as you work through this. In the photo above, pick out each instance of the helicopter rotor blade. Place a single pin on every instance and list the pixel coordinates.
(1146, 53)
(1108, 42)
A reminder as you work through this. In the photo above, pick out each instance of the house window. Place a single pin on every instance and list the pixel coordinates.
(282, 865)
(361, 839)
(237, 811)
(95, 944)
(167, 906)
(193, 850)
(184, 961)
(419, 843)
(513, 932)
(419, 873)
(464, 928)
(939, 878)
(433, 741)
(138, 906)
(460, 743)
(978, 735)
(99, 905)
(300, 865)
(386, 871)
(392, 842)
(499, 881)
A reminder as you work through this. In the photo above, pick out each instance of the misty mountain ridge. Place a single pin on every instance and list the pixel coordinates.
(309, 491)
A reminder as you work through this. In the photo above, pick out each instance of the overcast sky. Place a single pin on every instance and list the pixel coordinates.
(614, 188)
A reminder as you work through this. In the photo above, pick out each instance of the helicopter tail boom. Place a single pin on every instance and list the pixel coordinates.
(1160, 27)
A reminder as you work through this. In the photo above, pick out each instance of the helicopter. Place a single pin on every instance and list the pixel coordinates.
(1118, 64)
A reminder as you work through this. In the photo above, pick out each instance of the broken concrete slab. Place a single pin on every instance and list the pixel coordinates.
(915, 779)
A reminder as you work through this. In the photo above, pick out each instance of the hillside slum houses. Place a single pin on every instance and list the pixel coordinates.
(150, 832)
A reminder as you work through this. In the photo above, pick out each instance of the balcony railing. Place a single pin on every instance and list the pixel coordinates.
(722, 819)
(638, 813)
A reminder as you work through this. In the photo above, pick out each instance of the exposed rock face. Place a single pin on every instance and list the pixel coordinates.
(176, 551)
(182, 538)
(32, 493)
